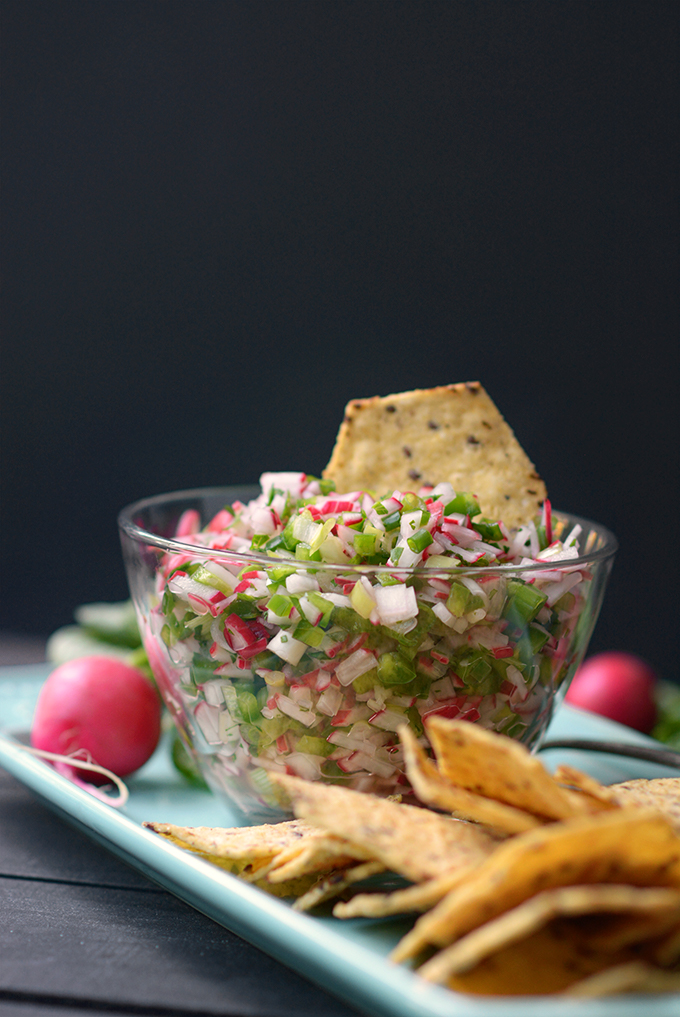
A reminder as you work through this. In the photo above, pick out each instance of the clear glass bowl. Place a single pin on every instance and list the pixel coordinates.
(247, 700)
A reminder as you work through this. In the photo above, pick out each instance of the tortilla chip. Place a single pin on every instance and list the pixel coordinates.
(648, 930)
(662, 794)
(435, 790)
(500, 768)
(256, 872)
(291, 888)
(237, 842)
(250, 852)
(412, 899)
(330, 886)
(410, 841)
(451, 433)
(666, 951)
(634, 976)
(627, 846)
(321, 852)
(548, 961)
(587, 785)
(518, 924)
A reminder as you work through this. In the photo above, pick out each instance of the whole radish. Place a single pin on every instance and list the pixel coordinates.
(100, 705)
(619, 686)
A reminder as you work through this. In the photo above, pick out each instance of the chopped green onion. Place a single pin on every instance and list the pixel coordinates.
(392, 521)
(321, 604)
(307, 633)
(393, 669)
(524, 603)
(458, 600)
(281, 605)
(367, 680)
(488, 530)
(364, 543)
(276, 543)
(421, 539)
(411, 502)
(361, 600)
(280, 573)
(326, 486)
(463, 504)
(315, 746)
(248, 707)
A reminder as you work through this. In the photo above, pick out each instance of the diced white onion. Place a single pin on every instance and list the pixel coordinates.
(207, 718)
(395, 603)
(298, 582)
(557, 590)
(287, 647)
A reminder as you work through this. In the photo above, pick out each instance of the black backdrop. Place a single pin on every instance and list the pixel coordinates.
(224, 220)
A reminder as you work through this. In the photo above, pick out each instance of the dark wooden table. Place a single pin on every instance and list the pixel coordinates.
(81, 933)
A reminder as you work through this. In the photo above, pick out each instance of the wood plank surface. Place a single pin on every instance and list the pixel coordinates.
(34, 843)
(82, 932)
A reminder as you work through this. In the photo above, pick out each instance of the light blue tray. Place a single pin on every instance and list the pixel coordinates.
(348, 958)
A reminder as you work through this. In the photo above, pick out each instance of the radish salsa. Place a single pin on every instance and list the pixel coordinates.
(351, 616)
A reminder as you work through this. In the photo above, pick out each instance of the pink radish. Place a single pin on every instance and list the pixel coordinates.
(102, 706)
(619, 686)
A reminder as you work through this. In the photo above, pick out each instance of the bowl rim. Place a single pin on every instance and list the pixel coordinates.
(126, 524)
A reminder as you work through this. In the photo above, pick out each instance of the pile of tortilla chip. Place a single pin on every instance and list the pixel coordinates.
(524, 882)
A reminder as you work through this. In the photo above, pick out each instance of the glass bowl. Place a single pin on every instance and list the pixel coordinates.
(249, 693)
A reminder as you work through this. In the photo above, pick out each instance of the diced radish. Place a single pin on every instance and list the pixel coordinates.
(546, 520)
(323, 680)
(502, 651)
(282, 745)
(248, 652)
(356, 664)
(351, 763)
(311, 613)
(350, 716)
(372, 764)
(189, 523)
(305, 765)
(293, 483)
(463, 535)
(329, 701)
(301, 694)
(291, 709)
(471, 715)
(388, 720)
(446, 708)
(220, 521)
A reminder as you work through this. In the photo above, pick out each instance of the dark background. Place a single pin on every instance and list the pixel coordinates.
(222, 221)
